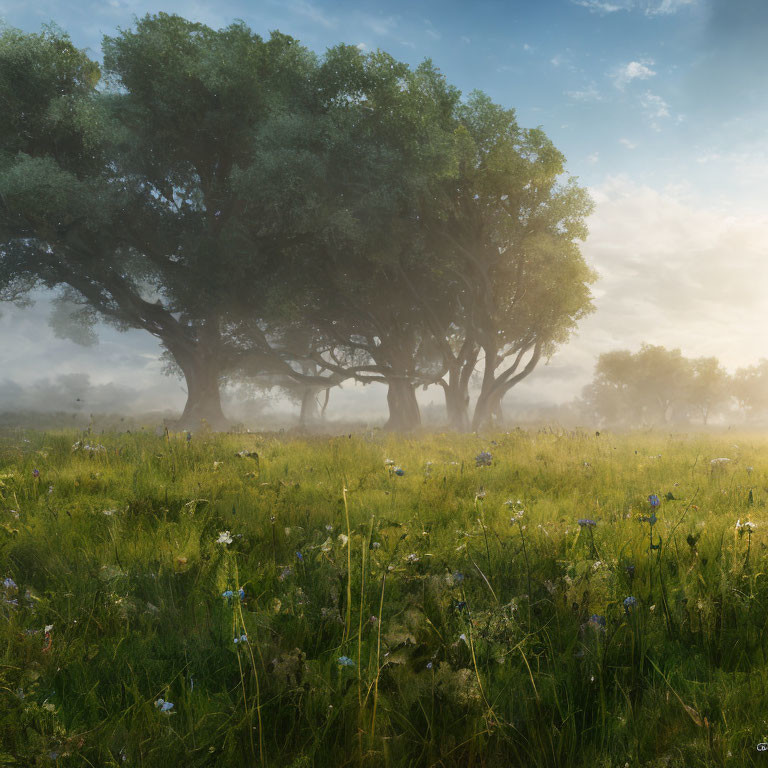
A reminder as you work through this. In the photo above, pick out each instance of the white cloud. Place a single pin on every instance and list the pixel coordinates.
(672, 271)
(655, 108)
(598, 6)
(628, 144)
(361, 46)
(648, 7)
(634, 70)
(593, 158)
(589, 93)
(311, 12)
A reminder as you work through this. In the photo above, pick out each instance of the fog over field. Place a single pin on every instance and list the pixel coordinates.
(668, 274)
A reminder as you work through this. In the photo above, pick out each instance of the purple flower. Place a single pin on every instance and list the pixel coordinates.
(585, 522)
(629, 602)
(300, 557)
(35, 472)
(483, 459)
(598, 622)
(653, 499)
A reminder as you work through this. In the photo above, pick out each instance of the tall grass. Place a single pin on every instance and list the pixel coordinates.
(385, 620)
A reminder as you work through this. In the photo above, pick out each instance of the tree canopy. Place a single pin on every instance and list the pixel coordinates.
(265, 211)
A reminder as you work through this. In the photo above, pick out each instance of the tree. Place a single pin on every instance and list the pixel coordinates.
(132, 197)
(392, 132)
(750, 386)
(507, 231)
(655, 386)
(710, 387)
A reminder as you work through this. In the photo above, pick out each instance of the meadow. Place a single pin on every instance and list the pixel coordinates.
(525, 599)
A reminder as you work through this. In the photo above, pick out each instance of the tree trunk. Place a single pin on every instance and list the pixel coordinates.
(487, 404)
(404, 414)
(203, 407)
(457, 404)
(310, 411)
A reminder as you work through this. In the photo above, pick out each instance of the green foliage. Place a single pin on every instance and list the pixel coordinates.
(468, 640)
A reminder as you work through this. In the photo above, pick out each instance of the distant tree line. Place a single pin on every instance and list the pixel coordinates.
(657, 386)
(264, 211)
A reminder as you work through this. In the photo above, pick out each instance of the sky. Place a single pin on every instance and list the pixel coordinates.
(659, 107)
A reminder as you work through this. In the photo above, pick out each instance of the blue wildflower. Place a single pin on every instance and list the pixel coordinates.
(241, 592)
(483, 459)
(241, 639)
(585, 522)
(35, 472)
(345, 661)
(163, 705)
(429, 665)
(399, 471)
(653, 499)
(300, 557)
(228, 594)
(629, 602)
(458, 576)
(598, 622)
(9, 583)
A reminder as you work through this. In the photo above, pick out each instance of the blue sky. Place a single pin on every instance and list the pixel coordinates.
(658, 105)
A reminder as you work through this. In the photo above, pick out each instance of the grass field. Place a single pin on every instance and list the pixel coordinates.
(242, 600)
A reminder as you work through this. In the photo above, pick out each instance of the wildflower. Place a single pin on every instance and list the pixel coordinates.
(630, 569)
(224, 538)
(228, 594)
(412, 558)
(399, 471)
(458, 577)
(629, 602)
(285, 573)
(299, 557)
(241, 592)
(429, 665)
(597, 622)
(163, 705)
(375, 545)
(35, 472)
(585, 522)
(48, 628)
(463, 637)
(483, 459)
(481, 494)
(9, 583)
(109, 512)
(345, 661)
(745, 526)
(389, 463)
(329, 528)
(653, 500)
(241, 639)
(343, 538)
